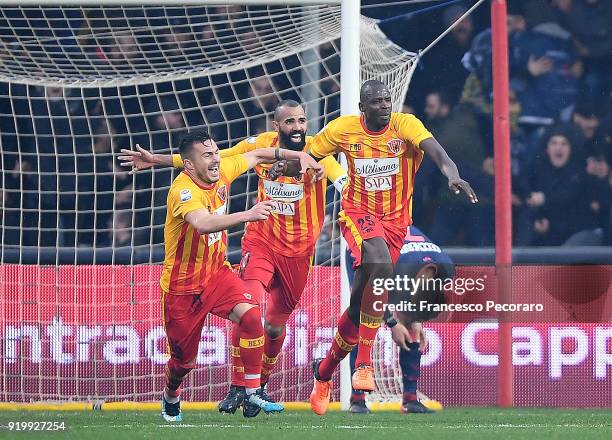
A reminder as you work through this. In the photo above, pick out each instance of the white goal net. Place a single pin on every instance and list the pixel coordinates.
(82, 241)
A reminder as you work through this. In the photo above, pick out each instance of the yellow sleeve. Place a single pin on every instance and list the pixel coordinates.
(177, 161)
(244, 146)
(334, 171)
(327, 141)
(411, 129)
(234, 166)
(183, 199)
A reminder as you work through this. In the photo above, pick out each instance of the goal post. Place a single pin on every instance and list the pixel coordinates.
(82, 242)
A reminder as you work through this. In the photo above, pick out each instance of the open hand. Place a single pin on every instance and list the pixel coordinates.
(138, 160)
(457, 185)
(261, 211)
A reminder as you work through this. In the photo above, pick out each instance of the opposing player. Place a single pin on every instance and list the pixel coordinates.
(196, 277)
(384, 151)
(419, 259)
(277, 252)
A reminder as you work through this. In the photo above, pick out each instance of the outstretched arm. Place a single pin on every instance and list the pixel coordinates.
(141, 159)
(447, 167)
(206, 223)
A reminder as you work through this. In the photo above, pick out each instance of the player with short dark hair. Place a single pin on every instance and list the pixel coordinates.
(196, 277)
(419, 258)
(384, 151)
(277, 252)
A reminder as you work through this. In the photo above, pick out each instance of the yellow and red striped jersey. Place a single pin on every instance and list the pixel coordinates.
(381, 165)
(299, 204)
(191, 259)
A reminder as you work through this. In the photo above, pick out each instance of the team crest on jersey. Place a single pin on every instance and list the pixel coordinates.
(299, 178)
(222, 193)
(251, 140)
(185, 195)
(395, 145)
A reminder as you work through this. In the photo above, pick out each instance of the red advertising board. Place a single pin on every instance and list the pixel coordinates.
(95, 333)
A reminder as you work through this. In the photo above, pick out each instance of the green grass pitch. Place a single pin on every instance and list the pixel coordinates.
(452, 423)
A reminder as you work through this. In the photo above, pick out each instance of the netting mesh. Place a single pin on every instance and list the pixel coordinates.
(79, 83)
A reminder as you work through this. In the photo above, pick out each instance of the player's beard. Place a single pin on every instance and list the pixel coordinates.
(287, 142)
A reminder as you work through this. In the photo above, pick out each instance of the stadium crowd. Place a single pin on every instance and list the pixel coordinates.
(561, 121)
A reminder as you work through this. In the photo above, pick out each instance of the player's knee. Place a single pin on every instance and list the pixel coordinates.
(377, 258)
(251, 321)
(274, 331)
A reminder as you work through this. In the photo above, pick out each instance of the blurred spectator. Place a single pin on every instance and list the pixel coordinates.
(545, 69)
(441, 68)
(458, 131)
(262, 104)
(552, 194)
(589, 22)
(119, 229)
(586, 116)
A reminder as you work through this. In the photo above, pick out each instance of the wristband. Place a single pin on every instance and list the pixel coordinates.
(391, 322)
(277, 154)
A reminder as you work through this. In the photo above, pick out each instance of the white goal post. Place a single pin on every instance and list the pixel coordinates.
(81, 248)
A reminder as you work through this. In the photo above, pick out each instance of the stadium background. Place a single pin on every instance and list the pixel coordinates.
(119, 220)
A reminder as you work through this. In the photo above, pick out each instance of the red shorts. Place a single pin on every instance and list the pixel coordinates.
(357, 225)
(184, 315)
(284, 278)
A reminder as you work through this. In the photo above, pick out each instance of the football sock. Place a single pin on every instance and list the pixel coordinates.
(251, 343)
(343, 343)
(369, 323)
(410, 363)
(236, 360)
(272, 348)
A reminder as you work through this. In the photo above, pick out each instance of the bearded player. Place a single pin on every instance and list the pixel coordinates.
(197, 279)
(419, 259)
(384, 151)
(277, 253)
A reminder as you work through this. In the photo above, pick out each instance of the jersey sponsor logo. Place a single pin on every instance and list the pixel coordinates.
(222, 193)
(377, 167)
(214, 237)
(185, 195)
(354, 147)
(420, 247)
(283, 208)
(286, 192)
(395, 145)
(380, 183)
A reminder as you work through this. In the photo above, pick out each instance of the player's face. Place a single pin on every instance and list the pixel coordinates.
(205, 161)
(291, 127)
(376, 107)
(558, 150)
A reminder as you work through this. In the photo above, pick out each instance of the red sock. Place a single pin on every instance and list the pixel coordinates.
(343, 344)
(236, 360)
(369, 323)
(175, 374)
(272, 348)
(251, 348)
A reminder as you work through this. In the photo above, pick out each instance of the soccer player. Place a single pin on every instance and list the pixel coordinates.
(384, 151)
(277, 252)
(419, 259)
(197, 279)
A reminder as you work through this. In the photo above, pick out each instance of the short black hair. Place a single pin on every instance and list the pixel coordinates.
(369, 85)
(190, 139)
(285, 103)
